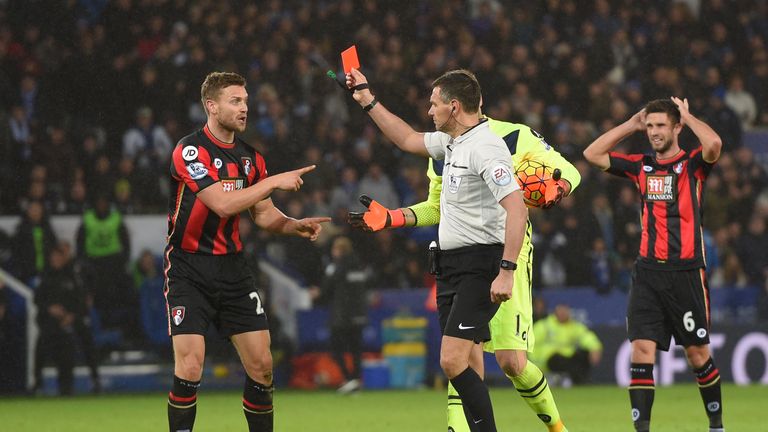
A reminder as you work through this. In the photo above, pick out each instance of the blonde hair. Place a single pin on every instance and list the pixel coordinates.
(215, 82)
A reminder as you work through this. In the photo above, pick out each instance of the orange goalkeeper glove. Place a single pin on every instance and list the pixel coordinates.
(555, 191)
(377, 217)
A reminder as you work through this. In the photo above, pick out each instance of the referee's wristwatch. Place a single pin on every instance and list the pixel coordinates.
(508, 265)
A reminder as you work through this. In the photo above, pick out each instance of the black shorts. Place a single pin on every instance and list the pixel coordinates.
(464, 291)
(669, 303)
(203, 289)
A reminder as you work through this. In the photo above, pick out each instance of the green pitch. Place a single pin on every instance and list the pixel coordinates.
(604, 409)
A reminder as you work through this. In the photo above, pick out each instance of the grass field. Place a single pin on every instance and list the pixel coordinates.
(594, 409)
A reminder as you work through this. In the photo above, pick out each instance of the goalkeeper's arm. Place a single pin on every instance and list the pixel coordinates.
(378, 217)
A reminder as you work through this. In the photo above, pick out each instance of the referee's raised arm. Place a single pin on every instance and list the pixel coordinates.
(398, 131)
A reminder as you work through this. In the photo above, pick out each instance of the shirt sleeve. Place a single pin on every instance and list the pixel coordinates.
(531, 145)
(698, 165)
(435, 142)
(623, 165)
(192, 165)
(492, 162)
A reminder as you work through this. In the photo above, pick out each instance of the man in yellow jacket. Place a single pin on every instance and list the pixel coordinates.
(564, 345)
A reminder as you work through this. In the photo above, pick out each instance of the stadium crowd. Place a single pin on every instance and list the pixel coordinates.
(94, 94)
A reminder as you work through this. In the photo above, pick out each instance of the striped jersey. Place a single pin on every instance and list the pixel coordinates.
(671, 191)
(199, 161)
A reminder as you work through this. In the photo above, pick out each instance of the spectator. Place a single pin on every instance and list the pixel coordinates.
(376, 183)
(149, 145)
(566, 346)
(104, 248)
(752, 251)
(12, 362)
(344, 290)
(33, 240)
(63, 321)
(741, 102)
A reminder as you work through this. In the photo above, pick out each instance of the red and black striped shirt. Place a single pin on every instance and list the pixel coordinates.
(199, 161)
(671, 191)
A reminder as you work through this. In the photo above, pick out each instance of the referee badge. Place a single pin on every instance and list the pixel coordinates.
(178, 314)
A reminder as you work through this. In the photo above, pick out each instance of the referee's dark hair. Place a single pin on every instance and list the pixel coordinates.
(217, 81)
(460, 84)
(664, 106)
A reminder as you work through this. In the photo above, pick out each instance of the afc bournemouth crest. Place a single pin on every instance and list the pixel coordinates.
(247, 165)
(177, 314)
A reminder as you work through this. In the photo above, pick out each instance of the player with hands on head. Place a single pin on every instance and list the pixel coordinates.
(217, 176)
(511, 326)
(477, 167)
(669, 294)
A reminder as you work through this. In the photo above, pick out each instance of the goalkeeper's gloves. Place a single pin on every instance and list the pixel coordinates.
(377, 217)
(555, 190)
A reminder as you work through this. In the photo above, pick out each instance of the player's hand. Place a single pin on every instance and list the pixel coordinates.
(309, 227)
(291, 180)
(358, 84)
(638, 120)
(376, 218)
(682, 105)
(501, 288)
(556, 189)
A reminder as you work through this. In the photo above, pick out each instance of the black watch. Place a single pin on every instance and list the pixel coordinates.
(508, 265)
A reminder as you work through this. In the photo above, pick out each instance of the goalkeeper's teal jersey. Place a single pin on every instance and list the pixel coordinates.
(523, 143)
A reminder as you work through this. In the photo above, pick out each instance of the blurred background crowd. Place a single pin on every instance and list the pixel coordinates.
(94, 94)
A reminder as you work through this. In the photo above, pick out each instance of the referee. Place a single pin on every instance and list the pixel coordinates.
(482, 221)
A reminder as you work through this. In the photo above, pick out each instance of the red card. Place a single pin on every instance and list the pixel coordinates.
(349, 59)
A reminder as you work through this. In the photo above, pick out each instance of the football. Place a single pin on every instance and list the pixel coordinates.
(532, 176)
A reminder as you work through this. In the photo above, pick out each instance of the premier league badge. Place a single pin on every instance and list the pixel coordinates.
(178, 314)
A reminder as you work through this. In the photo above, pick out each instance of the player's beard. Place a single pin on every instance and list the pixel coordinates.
(233, 125)
(666, 144)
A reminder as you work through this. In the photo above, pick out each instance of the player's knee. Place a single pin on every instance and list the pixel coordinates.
(643, 353)
(697, 356)
(260, 367)
(452, 365)
(189, 367)
(512, 365)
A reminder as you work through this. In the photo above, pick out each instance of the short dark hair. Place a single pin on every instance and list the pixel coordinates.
(664, 106)
(217, 81)
(460, 84)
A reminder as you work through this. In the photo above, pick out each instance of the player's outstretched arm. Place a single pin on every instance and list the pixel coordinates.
(597, 152)
(377, 217)
(229, 203)
(270, 218)
(711, 144)
(398, 131)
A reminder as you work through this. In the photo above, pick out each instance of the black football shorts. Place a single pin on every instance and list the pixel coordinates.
(464, 291)
(669, 303)
(203, 289)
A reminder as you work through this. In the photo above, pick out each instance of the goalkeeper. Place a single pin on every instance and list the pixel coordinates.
(511, 327)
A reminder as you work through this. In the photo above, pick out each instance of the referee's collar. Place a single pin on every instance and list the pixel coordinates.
(483, 124)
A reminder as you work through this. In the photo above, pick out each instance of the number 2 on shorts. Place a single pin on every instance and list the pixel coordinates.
(259, 308)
